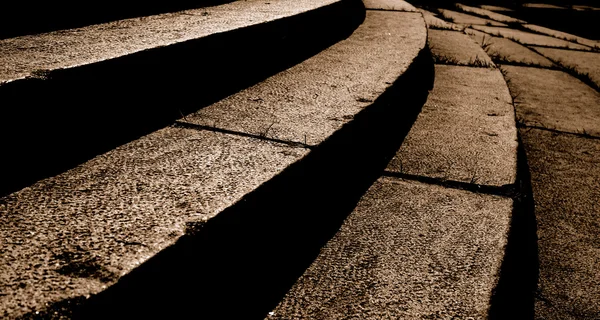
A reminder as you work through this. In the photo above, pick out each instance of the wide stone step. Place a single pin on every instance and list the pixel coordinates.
(198, 217)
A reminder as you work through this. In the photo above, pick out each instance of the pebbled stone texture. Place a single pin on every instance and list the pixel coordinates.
(407, 251)
(310, 101)
(78, 232)
(465, 131)
(467, 19)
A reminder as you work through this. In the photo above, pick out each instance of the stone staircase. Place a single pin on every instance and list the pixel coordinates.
(276, 159)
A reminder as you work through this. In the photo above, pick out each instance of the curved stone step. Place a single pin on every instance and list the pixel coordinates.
(198, 217)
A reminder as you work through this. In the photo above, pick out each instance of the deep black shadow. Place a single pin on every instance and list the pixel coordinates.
(241, 263)
(19, 18)
(66, 117)
(513, 297)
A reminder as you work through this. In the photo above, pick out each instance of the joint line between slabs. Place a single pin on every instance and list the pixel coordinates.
(507, 190)
(200, 127)
(582, 135)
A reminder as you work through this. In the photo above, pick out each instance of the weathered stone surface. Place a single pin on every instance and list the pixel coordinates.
(466, 19)
(563, 35)
(582, 62)
(452, 47)
(395, 5)
(490, 14)
(528, 38)
(554, 99)
(310, 101)
(503, 50)
(21, 56)
(565, 177)
(465, 132)
(408, 251)
(78, 232)
(495, 8)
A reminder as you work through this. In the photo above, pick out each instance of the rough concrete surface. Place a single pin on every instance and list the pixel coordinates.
(583, 62)
(396, 5)
(528, 38)
(487, 13)
(433, 22)
(565, 177)
(554, 99)
(310, 101)
(78, 232)
(562, 35)
(503, 50)
(452, 47)
(21, 56)
(408, 251)
(466, 19)
(465, 132)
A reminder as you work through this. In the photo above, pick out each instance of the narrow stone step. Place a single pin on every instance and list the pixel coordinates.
(466, 131)
(528, 38)
(573, 108)
(584, 65)
(506, 51)
(563, 35)
(489, 14)
(191, 219)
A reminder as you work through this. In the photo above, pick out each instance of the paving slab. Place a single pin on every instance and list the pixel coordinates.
(309, 101)
(433, 22)
(554, 99)
(487, 13)
(465, 131)
(528, 38)
(395, 5)
(505, 51)
(582, 62)
(467, 19)
(452, 47)
(565, 177)
(21, 57)
(77, 233)
(563, 35)
(407, 251)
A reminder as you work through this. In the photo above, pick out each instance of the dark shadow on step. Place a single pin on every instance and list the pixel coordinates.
(241, 263)
(513, 297)
(65, 117)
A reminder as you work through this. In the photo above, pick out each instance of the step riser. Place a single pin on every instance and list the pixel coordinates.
(111, 102)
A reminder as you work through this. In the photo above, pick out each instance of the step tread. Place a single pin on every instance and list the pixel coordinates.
(33, 55)
(310, 101)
